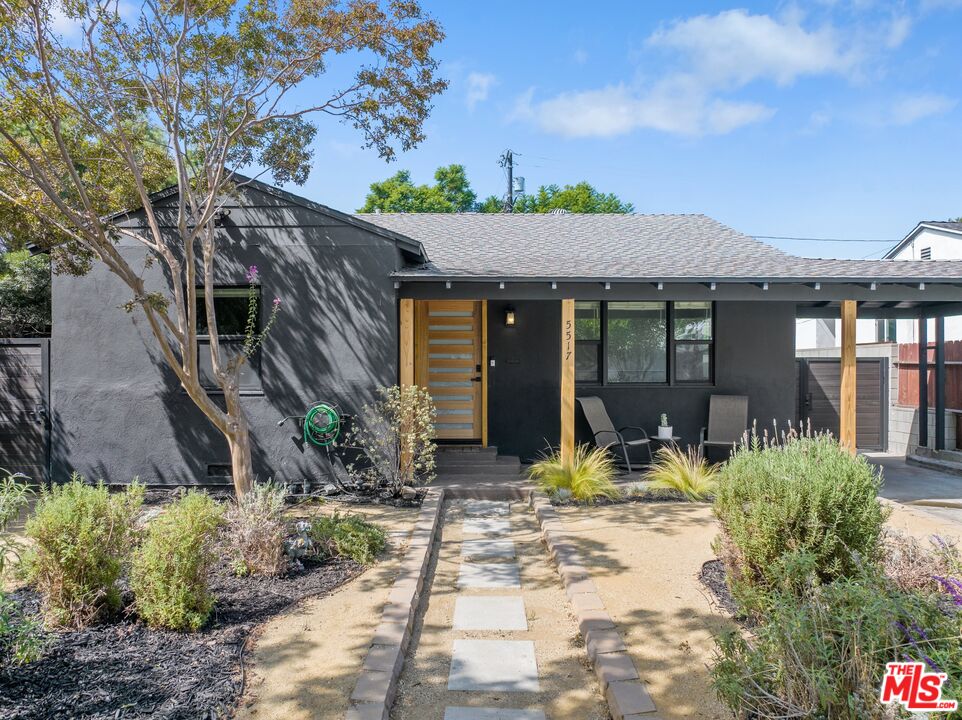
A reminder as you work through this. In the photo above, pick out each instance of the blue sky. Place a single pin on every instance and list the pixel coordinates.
(817, 119)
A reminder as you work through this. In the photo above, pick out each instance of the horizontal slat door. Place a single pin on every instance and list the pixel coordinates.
(447, 363)
(23, 426)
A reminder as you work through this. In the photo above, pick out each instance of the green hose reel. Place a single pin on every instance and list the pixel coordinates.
(322, 425)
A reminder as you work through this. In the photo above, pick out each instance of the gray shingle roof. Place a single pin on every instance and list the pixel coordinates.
(619, 247)
(944, 224)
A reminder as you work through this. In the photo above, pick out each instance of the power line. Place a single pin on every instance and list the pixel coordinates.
(811, 239)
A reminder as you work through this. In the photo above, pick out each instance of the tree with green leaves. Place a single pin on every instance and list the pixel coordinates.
(579, 198)
(217, 78)
(451, 193)
(24, 294)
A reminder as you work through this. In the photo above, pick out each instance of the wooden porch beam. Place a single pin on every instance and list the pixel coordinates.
(567, 380)
(847, 404)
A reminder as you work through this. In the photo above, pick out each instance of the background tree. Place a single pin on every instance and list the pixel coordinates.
(216, 77)
(451, 193)
(24, 294)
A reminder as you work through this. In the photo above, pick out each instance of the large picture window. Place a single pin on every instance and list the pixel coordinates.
(230, 306)
(638, 343)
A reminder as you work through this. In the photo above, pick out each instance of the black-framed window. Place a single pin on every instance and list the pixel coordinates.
(644, 343)
(231, 305)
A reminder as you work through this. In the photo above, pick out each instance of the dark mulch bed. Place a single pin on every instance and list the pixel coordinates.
(124, 670)
(714, 578)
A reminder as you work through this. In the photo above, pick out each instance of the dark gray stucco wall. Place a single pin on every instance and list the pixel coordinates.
(754, 356)
(117, 412)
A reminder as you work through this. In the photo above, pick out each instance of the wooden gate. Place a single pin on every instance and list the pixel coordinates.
(819, 398)
(24, 421)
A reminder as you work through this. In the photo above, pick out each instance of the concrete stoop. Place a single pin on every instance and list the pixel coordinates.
(949, 461)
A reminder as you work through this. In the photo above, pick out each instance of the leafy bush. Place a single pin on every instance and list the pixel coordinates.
(348, 535)
(684, 472)
(21, 638)
(587, 477)
(170, 569)
(807, 497)
(255, 531)
(395, 434)
(82, 538)
(821, 653)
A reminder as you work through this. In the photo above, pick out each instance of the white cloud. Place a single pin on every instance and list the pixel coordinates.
(617, 110)
(735, 48)
(899, 30)
(911, 109)
(479, 86)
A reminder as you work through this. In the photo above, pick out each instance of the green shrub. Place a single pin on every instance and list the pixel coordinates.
(170, 569)
(821, 653)
(348, 535)
(807, 497)
(82, 538)
(684, 472)
(255, 530)
(587, 477)
(21, 638)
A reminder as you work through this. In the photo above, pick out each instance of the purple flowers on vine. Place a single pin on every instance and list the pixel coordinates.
(251, 273)
(277, 301)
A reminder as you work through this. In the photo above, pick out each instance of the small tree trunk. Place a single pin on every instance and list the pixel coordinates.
(238, 441)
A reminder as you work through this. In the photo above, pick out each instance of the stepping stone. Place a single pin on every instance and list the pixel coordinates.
(489, 612)
(493, 666)
(486, 526)
(488, 548)
(489, 575)
(471, 713)
(487, 508)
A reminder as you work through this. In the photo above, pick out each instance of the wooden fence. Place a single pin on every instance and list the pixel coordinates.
(908, 365)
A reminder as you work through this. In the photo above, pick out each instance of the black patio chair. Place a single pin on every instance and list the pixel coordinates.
(727, 423)
(606, 436)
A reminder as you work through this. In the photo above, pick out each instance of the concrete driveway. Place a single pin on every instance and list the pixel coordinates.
(939, 493)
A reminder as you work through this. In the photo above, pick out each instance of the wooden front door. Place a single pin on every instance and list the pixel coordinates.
(448, 362)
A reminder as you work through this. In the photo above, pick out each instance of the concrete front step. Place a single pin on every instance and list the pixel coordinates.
(499, 470)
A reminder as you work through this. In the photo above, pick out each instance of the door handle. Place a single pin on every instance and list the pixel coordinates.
(476, 379)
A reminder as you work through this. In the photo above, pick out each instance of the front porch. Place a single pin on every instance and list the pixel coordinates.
(643, 348)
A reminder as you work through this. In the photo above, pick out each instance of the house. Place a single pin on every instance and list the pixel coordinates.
(504, 317)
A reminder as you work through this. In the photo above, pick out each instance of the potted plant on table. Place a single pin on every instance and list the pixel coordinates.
(664, 429)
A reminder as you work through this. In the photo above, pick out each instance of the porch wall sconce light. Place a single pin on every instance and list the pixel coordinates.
(509, 317)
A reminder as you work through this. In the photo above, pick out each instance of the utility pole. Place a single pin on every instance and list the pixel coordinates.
(507, 161)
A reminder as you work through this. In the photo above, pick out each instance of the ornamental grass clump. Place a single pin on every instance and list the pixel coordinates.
(347, 535)
(255, 530)
(588, 476)
(170, 571)
(806, 496)
(82, 537)
(683, 472)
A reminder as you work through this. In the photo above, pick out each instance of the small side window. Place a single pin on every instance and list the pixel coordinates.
(231, 305)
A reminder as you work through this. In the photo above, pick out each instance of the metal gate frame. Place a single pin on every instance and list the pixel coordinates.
(44, 408)
(803, 402)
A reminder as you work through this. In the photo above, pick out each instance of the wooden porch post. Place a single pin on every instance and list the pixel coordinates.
(847, 404)
(567, 380)
(406, 332)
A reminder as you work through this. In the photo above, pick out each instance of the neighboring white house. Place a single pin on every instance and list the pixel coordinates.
(930, 240)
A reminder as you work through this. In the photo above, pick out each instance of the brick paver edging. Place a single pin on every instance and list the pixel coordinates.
(374, 691)
(625, 692)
